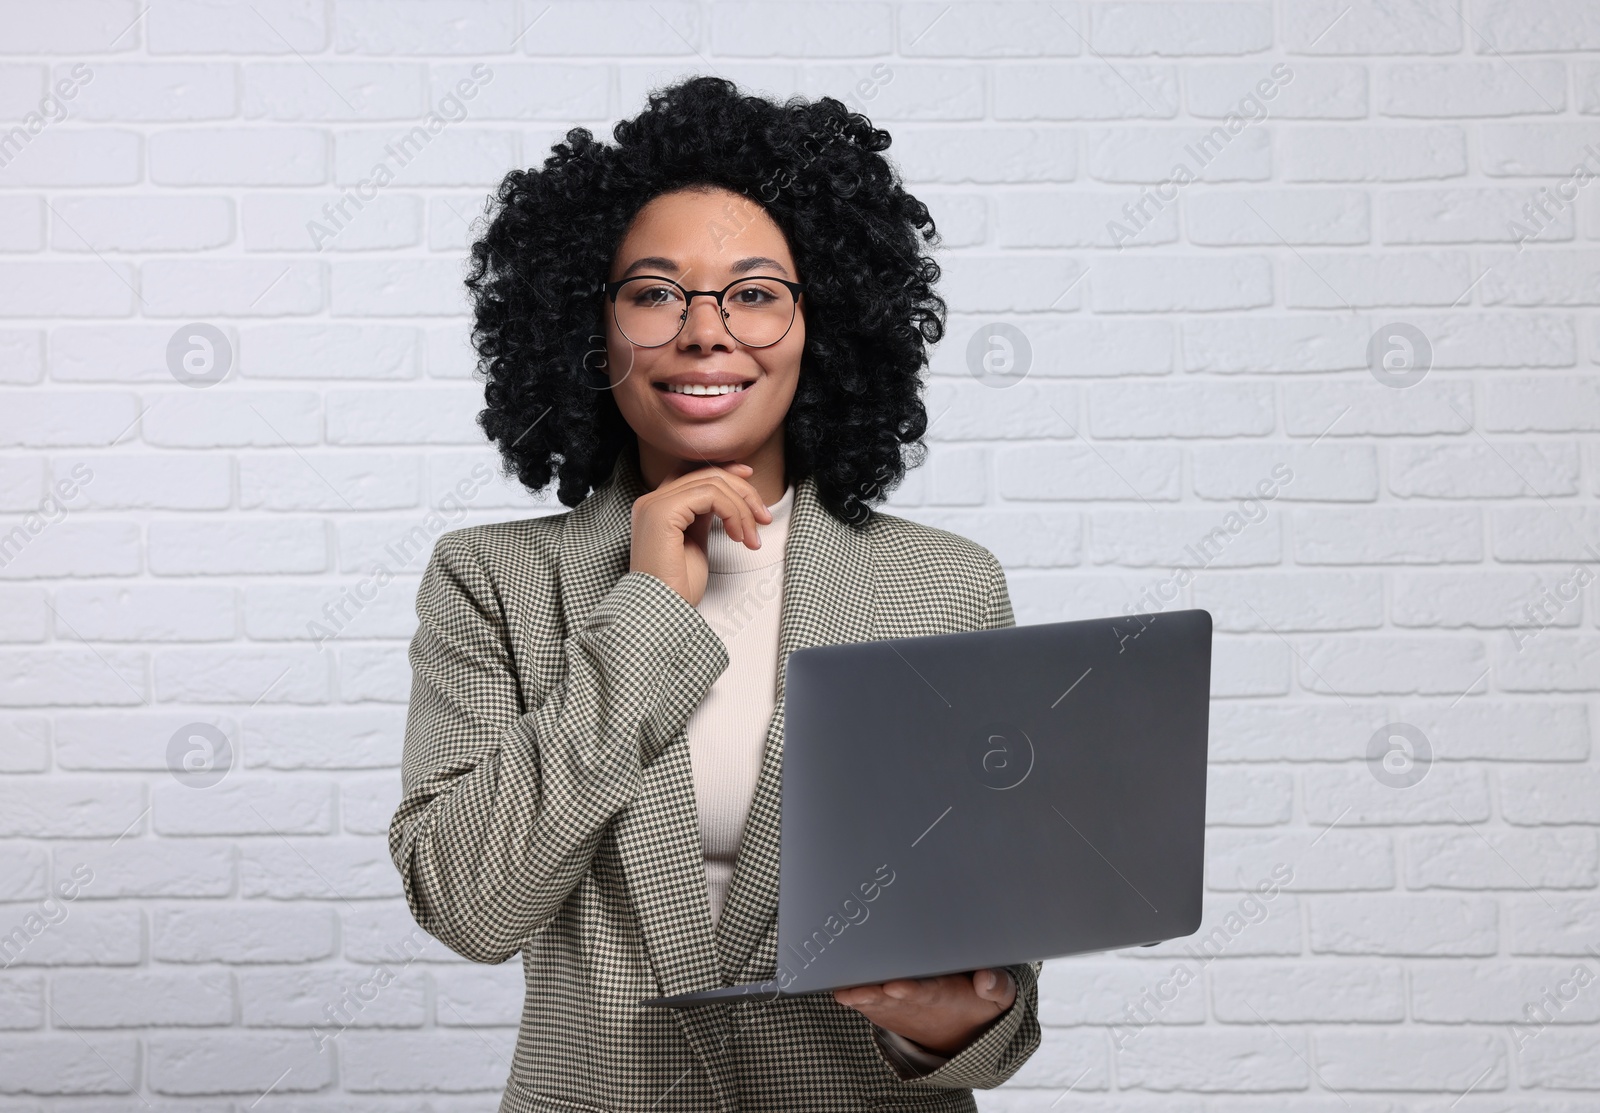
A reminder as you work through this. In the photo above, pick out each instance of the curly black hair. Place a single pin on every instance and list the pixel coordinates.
(857, 418)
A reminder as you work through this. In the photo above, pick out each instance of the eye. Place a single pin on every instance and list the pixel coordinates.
(654, 295)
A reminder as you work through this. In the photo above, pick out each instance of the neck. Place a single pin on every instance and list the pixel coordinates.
(769, 477)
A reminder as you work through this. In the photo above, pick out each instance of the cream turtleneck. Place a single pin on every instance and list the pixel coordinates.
(727, 732)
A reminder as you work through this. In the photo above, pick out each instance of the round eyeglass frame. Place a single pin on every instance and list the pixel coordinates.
(613, 288)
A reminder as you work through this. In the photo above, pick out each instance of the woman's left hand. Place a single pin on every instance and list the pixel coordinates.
(943, 1014)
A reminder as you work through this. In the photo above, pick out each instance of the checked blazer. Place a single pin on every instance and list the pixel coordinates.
(549, 808)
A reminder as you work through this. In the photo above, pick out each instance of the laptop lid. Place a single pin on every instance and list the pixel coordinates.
(960, 801)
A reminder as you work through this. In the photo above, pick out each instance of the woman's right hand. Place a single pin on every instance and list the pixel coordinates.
(671, 522)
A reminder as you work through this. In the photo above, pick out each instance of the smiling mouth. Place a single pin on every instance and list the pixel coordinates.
(698, 389)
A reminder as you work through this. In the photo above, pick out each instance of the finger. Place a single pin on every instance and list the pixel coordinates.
(995, 985)
(711, 497)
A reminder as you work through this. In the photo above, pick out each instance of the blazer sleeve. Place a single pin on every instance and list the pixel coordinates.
(1005, 1045)
(503, 805)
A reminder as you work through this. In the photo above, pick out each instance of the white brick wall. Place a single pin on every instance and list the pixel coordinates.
(204, 563)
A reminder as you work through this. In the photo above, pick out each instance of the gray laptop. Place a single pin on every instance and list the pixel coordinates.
(974, 800)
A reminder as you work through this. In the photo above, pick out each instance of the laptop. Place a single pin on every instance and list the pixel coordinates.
(962, 801)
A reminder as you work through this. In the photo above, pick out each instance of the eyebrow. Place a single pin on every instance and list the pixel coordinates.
(743, 266)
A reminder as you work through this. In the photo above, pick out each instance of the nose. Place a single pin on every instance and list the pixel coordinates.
(704, 325)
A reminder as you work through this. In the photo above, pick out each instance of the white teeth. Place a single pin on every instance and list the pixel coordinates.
(696, 388)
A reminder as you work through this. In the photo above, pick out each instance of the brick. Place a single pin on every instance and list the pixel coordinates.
(70, 677)
(1249, 668)
(1310, 90)
(1184, 538)
(66, 289)
(1498, 859)
(78, 158)
(1417, 1059)
(1263, 922)
(241, 675)
(1321, 860)
(1503, 730)
(1181, 28)
(328, 998)
(1503, 470)
(1457, 992)
(1299, 216)
(317, 869)
(248, 933)
(22, 223)
(1544, 277)
(1291, 992)
(1376, 665)
(176, 91)
(1545, 534)
(416, 156)
(148, 868)
(86, 936)
(1470, 216)
(1326, 472)
(1351, 795)
(325, 738)
(1290, 731)
(243, 806)
(235, 288)
(1091, 990)
(1246, 602)
(24, 615)
(24, 872)
(397, 289)
(1483, 88)
(820, 29)
(238, 156)
(987, 30)
(1550, 795)
(141, 224)
(1178, 283)
(411, 417)
(1321, 281)
(1560, 1060)
(1367, 153)
(608, 28)
(95, 26)
(329, 481)
(1078, 472)
(148, 612)
(208, 27)
(367, 804)
(989, 154)
(315, 222)
(198, 419)
(1147, 410)
(68, 1065)
(1552, 925)
(1026, 538)
(339, 352)
(968, 410)
(1551, 662)
(1385, 535)
(1339, 409)
(292, 91)
(21, 1003)
(1490, 600)
(1245, 797)
(1542, 405)
(1013, 284)
(1214, 1061)
(236, 1063)
(24, 743)
(1426, 926)
(125, 740)
(185, 548)
(421, 27)
(1539, 25)
(320, 613)
(1372, 27)
(139, 999)
(479, 996)
(1534, 149)
(1151, 155)
(378, 673)
(72, 808)
(21, 355)
(1085, 91)
(1277, 344)
(1056, 218)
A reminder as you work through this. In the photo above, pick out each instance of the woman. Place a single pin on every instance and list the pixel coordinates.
(711, 336)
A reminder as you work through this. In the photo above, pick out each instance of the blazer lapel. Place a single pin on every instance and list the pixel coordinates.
(657, 836)
(828, 599)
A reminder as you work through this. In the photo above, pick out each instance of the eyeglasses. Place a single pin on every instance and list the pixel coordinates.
(650, 310)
